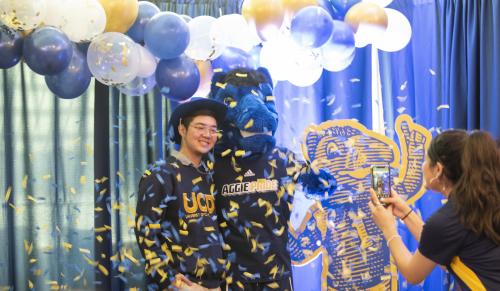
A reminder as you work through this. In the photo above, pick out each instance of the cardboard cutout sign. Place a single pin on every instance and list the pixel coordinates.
(354, 253)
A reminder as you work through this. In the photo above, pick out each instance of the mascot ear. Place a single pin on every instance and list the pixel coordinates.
(217, 78)
(266, 75)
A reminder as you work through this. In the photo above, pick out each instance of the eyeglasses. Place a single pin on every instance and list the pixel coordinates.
(205, 128)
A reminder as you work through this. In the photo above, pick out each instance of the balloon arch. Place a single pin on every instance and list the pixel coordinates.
(134, 46)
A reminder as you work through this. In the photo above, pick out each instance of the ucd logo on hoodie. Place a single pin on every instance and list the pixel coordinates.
(196, 204)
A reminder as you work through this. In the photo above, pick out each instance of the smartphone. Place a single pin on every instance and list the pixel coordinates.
(381, 181)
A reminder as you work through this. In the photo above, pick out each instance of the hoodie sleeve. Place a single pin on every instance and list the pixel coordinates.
(155, 191)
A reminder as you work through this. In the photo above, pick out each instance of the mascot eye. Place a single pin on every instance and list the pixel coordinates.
(228, 100)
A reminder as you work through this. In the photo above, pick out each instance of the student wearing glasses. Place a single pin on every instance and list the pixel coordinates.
(176, 223)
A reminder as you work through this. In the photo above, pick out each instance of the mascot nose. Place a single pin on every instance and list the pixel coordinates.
(255, 116)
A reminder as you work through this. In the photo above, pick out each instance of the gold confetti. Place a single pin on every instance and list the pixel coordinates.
(239, 153)
(197, 180)
(67, 246)
(249, 124)
(25, 182)
(225, 153)
(233, 104)
(241, 75)
(103, 269)
(154, 226)
(221, 85)
(269, 98)
(7, 194)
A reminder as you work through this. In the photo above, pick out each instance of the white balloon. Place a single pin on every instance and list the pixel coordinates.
(276, 55)
(186, 18)
(382, 3)
(339, 64)
(201, 47)
(398, 33)
(80, 20)
(22, 14)
(306, 67)
(367, 34)
(147, 65)
(233, 30)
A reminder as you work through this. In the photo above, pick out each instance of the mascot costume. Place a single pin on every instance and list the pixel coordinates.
(255, 182)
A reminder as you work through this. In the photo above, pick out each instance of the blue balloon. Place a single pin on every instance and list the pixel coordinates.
(178, 78)
(11, 47)
(337, 8)
(47, 51)
(146, 11)
(232, 58)
(74, 80)
(312, 26)
(166, 35)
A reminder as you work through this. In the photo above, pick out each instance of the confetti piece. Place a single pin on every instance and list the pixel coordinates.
(443, 106)
(217, 70)
(233, 104)
(24, 184)
(7, 194)
(239, 153)
(432, 72)
(255, 93)
(249, 124)
(221, 85)
(120, 175)
(241, 75)
(28, 247)
(30, 284)
(197, 180)
(225, 153)
(67, 246)
(84, 251)
(103, 269)
(270, 98)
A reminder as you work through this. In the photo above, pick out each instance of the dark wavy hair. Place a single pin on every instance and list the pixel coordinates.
(447, 148)
(477, 192)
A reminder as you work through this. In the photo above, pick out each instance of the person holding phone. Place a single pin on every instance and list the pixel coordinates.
(464, 234)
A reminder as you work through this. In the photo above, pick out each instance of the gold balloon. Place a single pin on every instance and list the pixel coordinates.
(293, 6)
(366, 13)
(120, 14)
(264, 14)
(206, 74)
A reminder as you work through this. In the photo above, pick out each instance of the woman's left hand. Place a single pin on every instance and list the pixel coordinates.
(382, 216)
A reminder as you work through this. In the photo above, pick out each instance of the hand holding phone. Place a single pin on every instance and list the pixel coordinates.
(381, 181)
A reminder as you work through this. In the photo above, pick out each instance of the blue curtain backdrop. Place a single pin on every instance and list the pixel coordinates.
(446, 77)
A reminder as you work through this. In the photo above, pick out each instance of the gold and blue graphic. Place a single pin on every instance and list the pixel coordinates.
(339, 231)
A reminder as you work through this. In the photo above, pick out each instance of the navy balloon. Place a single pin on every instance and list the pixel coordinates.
(74, 80)
(146, 11)
(178, 78)
(232, 58)
(312, 26)
(339, 7)
(11, 47)
(47, 51)
(166, 35)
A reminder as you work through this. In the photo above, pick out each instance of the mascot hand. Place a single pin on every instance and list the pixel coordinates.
(317, 183)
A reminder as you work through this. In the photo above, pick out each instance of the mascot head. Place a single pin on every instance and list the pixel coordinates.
(251, 119)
